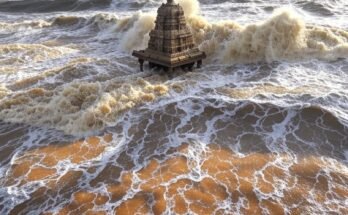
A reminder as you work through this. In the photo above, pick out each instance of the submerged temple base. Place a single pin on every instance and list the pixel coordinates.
(168, 62)
(171, 42)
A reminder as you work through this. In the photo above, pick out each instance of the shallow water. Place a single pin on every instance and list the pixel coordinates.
(261, 128)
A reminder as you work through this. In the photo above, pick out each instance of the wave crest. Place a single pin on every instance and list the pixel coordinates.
(285, 36)
(77, 108)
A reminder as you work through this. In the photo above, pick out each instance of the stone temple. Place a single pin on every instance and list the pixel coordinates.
(171, 42)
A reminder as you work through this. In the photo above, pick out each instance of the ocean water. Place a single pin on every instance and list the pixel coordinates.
(261, 128)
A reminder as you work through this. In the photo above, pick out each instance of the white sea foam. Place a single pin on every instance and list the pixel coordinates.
(260, 128)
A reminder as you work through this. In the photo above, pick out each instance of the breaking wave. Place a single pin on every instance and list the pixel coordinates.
(80, 107)
(13, 54)
(261, 128)
(77, 108)
(285, 36)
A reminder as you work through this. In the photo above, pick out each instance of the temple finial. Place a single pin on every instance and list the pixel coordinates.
(170, 1)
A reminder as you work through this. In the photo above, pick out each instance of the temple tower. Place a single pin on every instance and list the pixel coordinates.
(171, 42)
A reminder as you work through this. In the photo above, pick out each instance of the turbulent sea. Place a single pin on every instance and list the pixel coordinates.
(261, 128)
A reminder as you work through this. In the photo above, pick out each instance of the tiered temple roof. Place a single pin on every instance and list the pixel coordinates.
(171, 42)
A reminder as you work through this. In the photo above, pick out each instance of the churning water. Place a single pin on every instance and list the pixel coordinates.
(262, 128)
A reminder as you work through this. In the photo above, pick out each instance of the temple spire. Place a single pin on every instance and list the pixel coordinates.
(171, 42)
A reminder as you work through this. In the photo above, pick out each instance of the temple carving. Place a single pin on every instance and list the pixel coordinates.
(171, 42)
